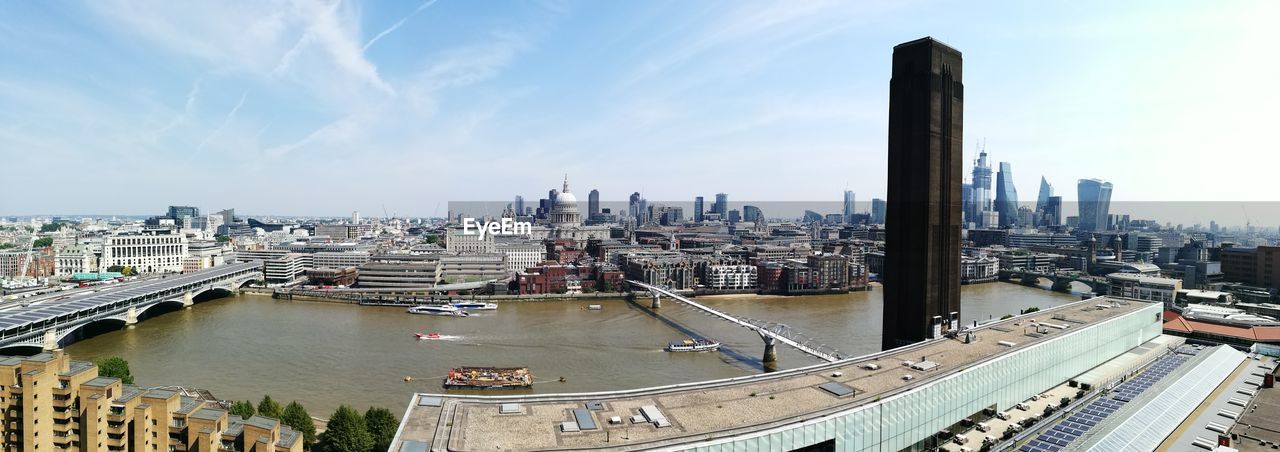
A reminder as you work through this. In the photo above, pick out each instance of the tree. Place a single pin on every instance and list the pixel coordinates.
(270, 408)
(346, 432)
(114, 366)
(51, 227)
(382, 427)
(223, 239)
(43, 242)
(1030, 310)
(296, 416)
(243, 409)
(1006, 317)
(606, 286)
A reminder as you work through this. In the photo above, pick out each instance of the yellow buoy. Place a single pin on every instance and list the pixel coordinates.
(407, 378)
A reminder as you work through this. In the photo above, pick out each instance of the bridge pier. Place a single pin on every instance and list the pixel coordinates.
(657, 302)
(131, 317)
(1061, 285)
(770, 349)
(188, 300)
(50, 340)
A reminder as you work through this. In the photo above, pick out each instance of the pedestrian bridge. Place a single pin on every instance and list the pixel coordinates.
(47, 325)
(770, 332)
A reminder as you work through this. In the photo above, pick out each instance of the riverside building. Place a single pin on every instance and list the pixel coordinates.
(52, 402)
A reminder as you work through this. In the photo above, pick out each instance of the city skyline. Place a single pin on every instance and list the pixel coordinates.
(181, 92)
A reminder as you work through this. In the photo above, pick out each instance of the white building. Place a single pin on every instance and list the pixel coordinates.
(979, 269)
(521, 255)
(75, 259)
(731, 277)
(146, 253)
(456, 240)
(1146, 288)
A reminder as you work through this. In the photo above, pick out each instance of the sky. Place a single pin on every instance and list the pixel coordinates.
(314, 107)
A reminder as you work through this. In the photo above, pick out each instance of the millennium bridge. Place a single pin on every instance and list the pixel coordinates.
(48, 324)
(770, 332)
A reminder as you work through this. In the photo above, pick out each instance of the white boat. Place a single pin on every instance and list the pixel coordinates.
(693, 345)
(437, 310)
(476, 306)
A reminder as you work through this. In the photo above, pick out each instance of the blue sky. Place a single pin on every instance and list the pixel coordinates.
(324, 107)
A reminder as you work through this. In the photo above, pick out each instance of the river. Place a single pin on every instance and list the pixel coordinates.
(326, 354)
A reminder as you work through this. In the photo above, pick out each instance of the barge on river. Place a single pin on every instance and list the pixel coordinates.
(489, 378)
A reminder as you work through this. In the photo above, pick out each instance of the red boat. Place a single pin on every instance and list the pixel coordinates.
(427, 336)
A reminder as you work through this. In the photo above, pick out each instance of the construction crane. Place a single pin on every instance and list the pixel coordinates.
(26, 261)
(1247, 222)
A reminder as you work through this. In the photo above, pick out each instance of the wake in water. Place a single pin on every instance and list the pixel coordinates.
(441, 337)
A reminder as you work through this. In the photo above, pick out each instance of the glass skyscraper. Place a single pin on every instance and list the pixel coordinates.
(1095, 204)
(848, 206)
(1006, 196)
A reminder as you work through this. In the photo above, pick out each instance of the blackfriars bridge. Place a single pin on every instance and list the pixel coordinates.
(48, 324)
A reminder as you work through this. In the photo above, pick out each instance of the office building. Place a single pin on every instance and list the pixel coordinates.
(1253, 266)
(1006, 203)
(877, 211)
(848, 206)
(722, 205)
(52, 402)
(1146, 288)
(1095, 204)
(922, 248)
(1052, 214)
(521, 254)
(399, 270)
(146, 253)
(981, 190)
(471, 268)
(698, 209)
(518, 206)
(752, 214)
(593, 203)
(1042, 201)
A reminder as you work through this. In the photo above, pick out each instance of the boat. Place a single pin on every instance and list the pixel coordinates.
(438, 310)
(594, 307)
(476, 306)
(432, 335)
(693, 345)
(489, 378)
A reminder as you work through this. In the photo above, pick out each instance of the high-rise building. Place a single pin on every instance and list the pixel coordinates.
(593, 203)
(1095, 203)
(1052, 215)
(697, 209)
(355, 217)
(722, 205)
(633, 206)
(877, 210)
(848, 206)
(1046, 191)
(966, 201)
(752, 214)
(519, 205)
(981, 189)
(922, 226)
(1006, 196)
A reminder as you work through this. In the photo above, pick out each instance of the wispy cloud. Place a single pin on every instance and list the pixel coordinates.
(183, 116)
(398, 24)
(225, 122)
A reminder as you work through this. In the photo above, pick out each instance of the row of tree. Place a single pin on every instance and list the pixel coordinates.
(347, 430)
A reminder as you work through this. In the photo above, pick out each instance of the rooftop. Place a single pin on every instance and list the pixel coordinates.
(706, 410)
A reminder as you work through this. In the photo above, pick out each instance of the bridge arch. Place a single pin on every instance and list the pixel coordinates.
(90, 329)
